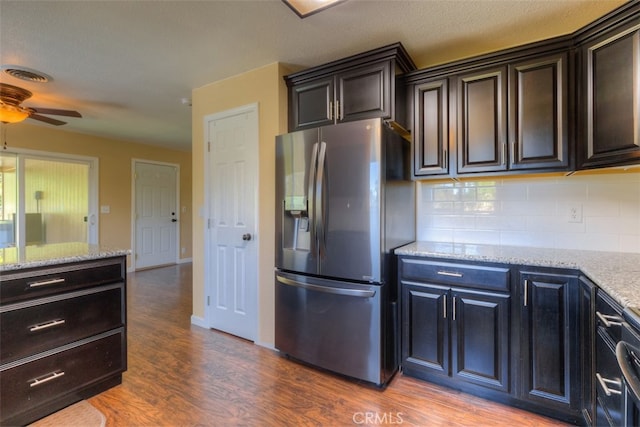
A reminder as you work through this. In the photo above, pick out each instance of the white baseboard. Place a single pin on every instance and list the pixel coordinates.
(199, 321)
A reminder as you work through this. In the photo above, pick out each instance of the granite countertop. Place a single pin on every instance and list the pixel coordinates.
(58, 253)
(617, 273)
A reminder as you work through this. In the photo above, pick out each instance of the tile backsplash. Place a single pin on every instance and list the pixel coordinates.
(581, 211)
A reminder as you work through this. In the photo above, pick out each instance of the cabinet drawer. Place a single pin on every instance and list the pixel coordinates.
(36, 326)
(608, 318)
(38, 282)
(30, 385)
(468, 275)
(609, 408)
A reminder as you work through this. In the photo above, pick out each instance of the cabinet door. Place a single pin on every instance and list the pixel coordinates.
(588, 348)
(480, 338)
(482, 121)
(311, 104)
(431, 142)
(538, 124)
(612, 71)
(425, 343)
(549, 353)
(364, 93)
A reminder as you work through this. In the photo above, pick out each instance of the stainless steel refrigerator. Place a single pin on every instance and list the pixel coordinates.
(344, 201)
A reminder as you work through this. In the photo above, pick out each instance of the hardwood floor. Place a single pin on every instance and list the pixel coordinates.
(184, 375)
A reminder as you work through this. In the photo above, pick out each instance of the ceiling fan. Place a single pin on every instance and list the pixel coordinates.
(12, 112)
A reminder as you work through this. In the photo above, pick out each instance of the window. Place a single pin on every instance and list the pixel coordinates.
(47, 199)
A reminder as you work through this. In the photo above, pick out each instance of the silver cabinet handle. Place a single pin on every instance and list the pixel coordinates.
(449, 273)
(444, 306)
(526, 291)
(47, 325)
(46, 282)
(46, 378)
(453, 307)
(330, 110)
(604, 382)
(609, 320)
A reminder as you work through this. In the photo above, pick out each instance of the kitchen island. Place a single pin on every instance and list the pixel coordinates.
(62, 327)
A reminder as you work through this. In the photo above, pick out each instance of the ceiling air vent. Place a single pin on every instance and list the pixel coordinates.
(26, 74)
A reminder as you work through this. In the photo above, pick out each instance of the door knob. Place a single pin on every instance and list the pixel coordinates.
(246, 236)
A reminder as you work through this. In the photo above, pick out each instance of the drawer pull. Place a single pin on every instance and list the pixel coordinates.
(46, 378)
(46, 282)
(604, 384)
(46, 325)
(609, 320)
(449, 273)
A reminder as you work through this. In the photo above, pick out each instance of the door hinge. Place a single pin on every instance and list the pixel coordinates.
(209, 146)
(208, 300)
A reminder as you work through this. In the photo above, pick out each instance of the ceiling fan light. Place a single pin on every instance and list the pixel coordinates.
(12, 114)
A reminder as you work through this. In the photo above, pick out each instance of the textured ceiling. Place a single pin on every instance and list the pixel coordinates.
(126, 65)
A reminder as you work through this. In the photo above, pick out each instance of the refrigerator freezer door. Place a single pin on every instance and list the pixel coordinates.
(350, 214)
(331, 324)
(296, 247)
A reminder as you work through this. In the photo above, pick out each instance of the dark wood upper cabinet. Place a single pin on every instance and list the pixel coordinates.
(358, 87)
(610, 65)
(311, 103)
(431, 128)
(482, 121)
(538, 113)
(505, 113)
(364, 93)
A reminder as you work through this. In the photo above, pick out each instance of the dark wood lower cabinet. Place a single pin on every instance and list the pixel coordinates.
(455, 323)
(549, 348)
(480, 338)
(511, 335)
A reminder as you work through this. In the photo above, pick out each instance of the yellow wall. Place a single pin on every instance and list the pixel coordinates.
(114, 174)
(266, 87)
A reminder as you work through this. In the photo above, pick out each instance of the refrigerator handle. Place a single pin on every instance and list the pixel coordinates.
(310, 198)
(319, 199)
(327, 289)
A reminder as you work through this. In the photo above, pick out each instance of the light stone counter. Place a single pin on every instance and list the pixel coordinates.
(59, 253)
(617, 273)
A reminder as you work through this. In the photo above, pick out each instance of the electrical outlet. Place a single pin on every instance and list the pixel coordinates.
(575, 212)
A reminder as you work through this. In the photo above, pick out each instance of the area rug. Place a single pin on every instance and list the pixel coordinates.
(81, 414)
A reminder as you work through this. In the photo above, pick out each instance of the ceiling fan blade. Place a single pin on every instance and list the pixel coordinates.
(46, 119)
(56, 112)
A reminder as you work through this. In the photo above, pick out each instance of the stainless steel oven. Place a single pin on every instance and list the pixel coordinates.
(628, 358)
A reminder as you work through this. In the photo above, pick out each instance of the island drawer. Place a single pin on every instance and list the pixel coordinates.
(492, 277)
(35, 326)
(37, 382)
(43, 281)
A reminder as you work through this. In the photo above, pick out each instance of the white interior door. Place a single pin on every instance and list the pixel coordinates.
(232, 254)
(156, 214)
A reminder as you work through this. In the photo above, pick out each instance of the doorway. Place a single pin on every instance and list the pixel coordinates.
(231, 271)
(155, 214)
